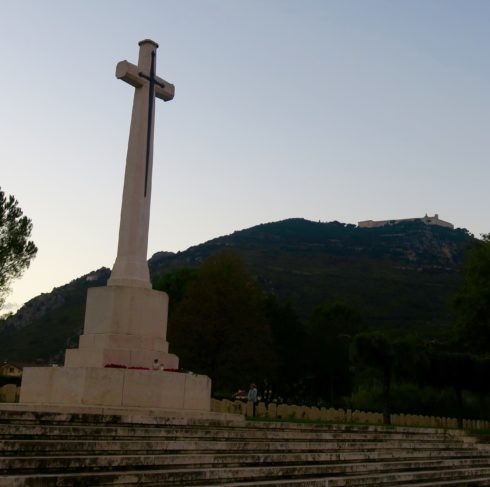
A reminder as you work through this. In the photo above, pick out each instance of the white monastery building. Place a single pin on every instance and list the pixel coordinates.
(428, 220)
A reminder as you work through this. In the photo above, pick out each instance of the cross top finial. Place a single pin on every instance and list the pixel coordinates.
(147, 41)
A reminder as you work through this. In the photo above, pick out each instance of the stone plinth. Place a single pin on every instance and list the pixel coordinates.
(115, 388)
(123, 326)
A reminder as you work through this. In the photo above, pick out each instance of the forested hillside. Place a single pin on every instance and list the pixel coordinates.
(401, 276)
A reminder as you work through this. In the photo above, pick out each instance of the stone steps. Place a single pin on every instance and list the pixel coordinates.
(459, 481)
(142, 423)
(109, 433)
(257, 476)
(175, 446)
(467, 482)
(86, 420)
(51, 449)
(117, 461)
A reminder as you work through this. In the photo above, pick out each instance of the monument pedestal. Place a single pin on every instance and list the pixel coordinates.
(123, 326)
(120, 388)
(124, 332)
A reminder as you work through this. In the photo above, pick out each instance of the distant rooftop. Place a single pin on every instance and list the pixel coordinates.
(428, 220)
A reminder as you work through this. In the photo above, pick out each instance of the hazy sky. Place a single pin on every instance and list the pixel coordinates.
(327, 110)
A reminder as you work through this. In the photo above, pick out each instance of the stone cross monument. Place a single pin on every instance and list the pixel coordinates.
(125, 322)
(131, 268)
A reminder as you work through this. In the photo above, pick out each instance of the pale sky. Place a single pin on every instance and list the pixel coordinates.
(326, 110)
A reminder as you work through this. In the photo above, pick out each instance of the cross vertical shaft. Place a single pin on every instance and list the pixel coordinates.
(130, 267)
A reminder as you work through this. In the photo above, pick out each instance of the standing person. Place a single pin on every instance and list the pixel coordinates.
(252, 397)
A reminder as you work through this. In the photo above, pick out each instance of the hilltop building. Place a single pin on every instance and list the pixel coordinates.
(428, 220)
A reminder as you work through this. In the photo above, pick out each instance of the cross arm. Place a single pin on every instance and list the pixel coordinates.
(129, 72)
(164, 90)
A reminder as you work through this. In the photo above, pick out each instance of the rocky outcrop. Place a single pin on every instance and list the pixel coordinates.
(39, 306)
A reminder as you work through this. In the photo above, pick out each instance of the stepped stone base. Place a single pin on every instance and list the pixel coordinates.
(112, 387)
(123, 326)
(32, 411)
(124, 334)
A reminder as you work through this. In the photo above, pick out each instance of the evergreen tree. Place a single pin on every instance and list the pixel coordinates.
(472, 302)
(330, 330)
(375, 350)
(289, 338)
(219, 327)
(16, 250)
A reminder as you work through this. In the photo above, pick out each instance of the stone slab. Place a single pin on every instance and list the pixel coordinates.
(153, 389)
(123, 342)
(87, 357)
(126, 414)
(114, 387)
(9, 393)
(122, 310)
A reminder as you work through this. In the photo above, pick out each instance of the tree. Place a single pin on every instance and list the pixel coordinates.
(175, 283)
(458, 371)
(375, 350)
(472, 302)
(330, 329)
(219, 327)
(16, 250)
(289, 343)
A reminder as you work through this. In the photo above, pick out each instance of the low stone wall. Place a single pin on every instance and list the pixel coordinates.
(287, 411)
(9, 393)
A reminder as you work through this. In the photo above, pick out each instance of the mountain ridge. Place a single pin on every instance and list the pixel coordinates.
(399, 275)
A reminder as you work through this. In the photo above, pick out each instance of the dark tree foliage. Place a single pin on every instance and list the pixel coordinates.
(289, 339)
(375, 350)
(16, 250)
(175, 283)
(480, 374)
(472, 302)
(330, 329)
(411, 360)
(219, 328)
(459, 371)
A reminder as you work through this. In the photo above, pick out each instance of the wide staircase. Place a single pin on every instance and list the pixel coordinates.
(53, 449)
